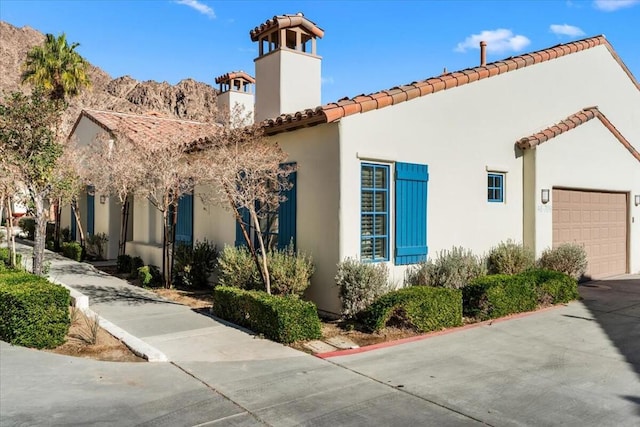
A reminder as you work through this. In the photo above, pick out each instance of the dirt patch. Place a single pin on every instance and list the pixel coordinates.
(196, 299)
(84, 339)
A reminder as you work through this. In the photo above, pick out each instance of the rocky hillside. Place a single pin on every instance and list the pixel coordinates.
(188, 99)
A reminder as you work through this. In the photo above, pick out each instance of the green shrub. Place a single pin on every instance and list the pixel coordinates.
(28, 226)
(65, 233)
(97, 244)
(33, 311)
(193, 265)
(568, 258)
(5, 258)
(136, 263)
(360, 284)
(421, 308)
(498, 295)
(149, 275)
(236, 268)
(284, 319)
(553, 287)
(453, 269)
(72, 250)
(510, 258)
(290, 271)
(123, 264)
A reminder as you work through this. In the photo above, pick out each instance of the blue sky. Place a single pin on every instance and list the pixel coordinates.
(368, 46)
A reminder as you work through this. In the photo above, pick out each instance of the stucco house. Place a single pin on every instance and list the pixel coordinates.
(538, 148)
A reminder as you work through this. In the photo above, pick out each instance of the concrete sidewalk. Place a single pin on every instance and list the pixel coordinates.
(156, 328)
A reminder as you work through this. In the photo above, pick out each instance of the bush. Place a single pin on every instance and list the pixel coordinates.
(237, 269)
(568, 258)
(72, 250)
(149, 275)
(553, 287)
(284, 319)
(360, 284)
(136, 263)
(96, 244)
(123, 264)
(33, 311)
(193, 265)
(28, 226)
(290, 271)
(510, 258)
(5, 258)
(65, 233)
(421, 308)
(498, 295)
(451, 269)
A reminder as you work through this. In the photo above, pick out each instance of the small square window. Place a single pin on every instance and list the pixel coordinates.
(495, 187)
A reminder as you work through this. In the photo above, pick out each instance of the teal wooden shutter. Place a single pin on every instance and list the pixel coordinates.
(411, 213)
(246, 219)
(73, 226)
(287, 215)
(184, 222)
(91, 212)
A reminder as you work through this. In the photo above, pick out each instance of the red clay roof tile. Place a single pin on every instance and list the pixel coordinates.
(286, 21)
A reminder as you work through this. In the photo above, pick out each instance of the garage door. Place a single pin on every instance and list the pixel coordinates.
(597, 220)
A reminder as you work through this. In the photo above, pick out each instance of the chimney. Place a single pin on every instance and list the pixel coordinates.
(287, 67)
(483, 53)
(236, 89)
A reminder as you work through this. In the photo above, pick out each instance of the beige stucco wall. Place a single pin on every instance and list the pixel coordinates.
(211, 220)
(147, 232)
(588, 157)
(315, 150)
(227, 101)
(464, 132)
(286, 81)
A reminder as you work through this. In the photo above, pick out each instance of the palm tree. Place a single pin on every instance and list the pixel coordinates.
(61, 72)
(57, 68)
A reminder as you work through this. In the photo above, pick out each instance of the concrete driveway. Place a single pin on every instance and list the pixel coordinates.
(576, 365)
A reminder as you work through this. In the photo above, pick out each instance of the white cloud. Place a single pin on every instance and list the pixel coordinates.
(611, 5)
(200, 7)
(327, 80)
(566, 30)
(498, 41)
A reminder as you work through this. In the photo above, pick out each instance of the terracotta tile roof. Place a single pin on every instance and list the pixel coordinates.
(148, 128)
(286, 21)
(571, 122)
(234, 75)
(363, 103)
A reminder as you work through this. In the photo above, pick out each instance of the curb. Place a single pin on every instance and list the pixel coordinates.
(394, 343)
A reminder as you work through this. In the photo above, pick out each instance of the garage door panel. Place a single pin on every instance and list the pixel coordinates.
(598, 221)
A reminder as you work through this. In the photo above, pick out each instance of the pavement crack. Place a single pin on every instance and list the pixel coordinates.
(247, 410)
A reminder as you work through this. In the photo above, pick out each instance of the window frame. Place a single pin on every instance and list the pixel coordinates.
(496, 187)
(375, 213)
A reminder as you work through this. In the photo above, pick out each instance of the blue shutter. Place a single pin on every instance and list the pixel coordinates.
(411, 213)
(73, 226)
(91, 213)
(244, 213)
(287, 215)
(184, 222)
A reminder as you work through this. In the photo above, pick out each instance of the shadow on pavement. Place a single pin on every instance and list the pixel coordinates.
(615, 305)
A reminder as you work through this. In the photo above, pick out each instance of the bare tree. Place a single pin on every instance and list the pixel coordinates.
(115, 167)
(250, 175)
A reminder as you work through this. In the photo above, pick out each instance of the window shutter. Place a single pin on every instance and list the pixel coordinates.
(184, 223)
(411, 213)
(91, 213)
(287, 215)
(246, 217)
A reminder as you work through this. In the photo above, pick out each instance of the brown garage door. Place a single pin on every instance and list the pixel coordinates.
(597, 220)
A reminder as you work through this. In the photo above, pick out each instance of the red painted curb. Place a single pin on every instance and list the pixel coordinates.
(386, 344)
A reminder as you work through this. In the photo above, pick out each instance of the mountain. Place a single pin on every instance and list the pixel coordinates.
(189, 99)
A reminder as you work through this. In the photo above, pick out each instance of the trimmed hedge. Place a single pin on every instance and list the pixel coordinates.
(72, 250)
(33, 311)
(5, 258)
(553, 287)
(499, 295)
(284, 319)
(422, 308)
